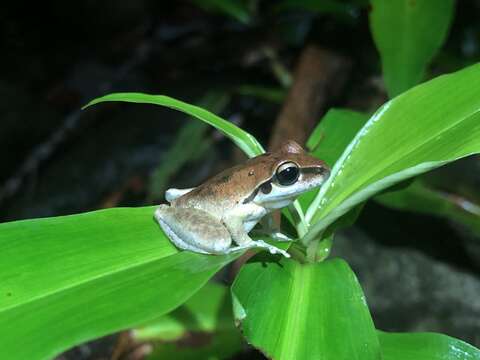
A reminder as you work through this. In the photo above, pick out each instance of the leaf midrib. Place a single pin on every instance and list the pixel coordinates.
(297, 311)
(367, 181)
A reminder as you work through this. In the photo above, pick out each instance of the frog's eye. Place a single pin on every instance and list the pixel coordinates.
(287, 173)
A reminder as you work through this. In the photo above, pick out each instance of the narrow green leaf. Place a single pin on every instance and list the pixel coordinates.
(190, 144)
(426, 127)
(425, 346)
(420, 198)
(408, 34)
(88, 275)
(241, 138)
(290, 310)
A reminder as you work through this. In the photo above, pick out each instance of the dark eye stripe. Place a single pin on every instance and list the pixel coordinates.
(251, 196)
(266, 188)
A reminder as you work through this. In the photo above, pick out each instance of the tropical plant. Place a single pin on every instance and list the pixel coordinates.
(69, 279)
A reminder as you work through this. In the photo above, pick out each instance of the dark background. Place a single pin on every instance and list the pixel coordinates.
(419, 272)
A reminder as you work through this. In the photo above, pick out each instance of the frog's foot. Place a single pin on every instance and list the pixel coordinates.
(272, 249)
(276, 235)
(261, 244)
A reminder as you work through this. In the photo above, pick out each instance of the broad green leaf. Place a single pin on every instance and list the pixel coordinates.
(241, 138)
(290, 310)
(68, 279)
(426, 127)
(407, 34)
(425, 346)
(237, 9)
(421, 198)
(209, 310)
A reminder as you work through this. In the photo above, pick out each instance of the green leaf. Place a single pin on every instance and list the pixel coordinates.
(222, 345)
(197, 315)
(69, 279)
(241, 138)
(425, 346)
(426, 127)
(290, 310)
(205, 317)
(330, 138)
(334, 132)
(190, 143)
(407, 34)
(421, 198)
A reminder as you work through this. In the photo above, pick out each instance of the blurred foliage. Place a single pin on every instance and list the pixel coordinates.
(408, 34)
(210, 320)
(190, 144)
(237, 9)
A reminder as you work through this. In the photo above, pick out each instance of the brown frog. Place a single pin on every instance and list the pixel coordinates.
(213, 216)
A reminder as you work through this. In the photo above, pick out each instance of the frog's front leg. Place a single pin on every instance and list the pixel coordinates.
(235, 227)
(271, 229)
(194, 229)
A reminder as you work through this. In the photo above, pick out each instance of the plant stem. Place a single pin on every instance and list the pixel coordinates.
(302, 225)
(318, 250)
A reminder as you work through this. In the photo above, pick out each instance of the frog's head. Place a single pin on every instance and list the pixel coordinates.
(292, 173)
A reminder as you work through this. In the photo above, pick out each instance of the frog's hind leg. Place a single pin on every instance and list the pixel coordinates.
(193, 229)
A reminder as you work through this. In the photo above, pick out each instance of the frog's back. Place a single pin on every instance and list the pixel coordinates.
(229, 188)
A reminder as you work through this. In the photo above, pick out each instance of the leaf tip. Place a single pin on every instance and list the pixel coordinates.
(91, 103)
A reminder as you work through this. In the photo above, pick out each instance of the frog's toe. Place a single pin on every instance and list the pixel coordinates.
(284, 253)
(274, 250)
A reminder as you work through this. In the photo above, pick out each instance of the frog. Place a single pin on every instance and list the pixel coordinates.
(217, 216)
